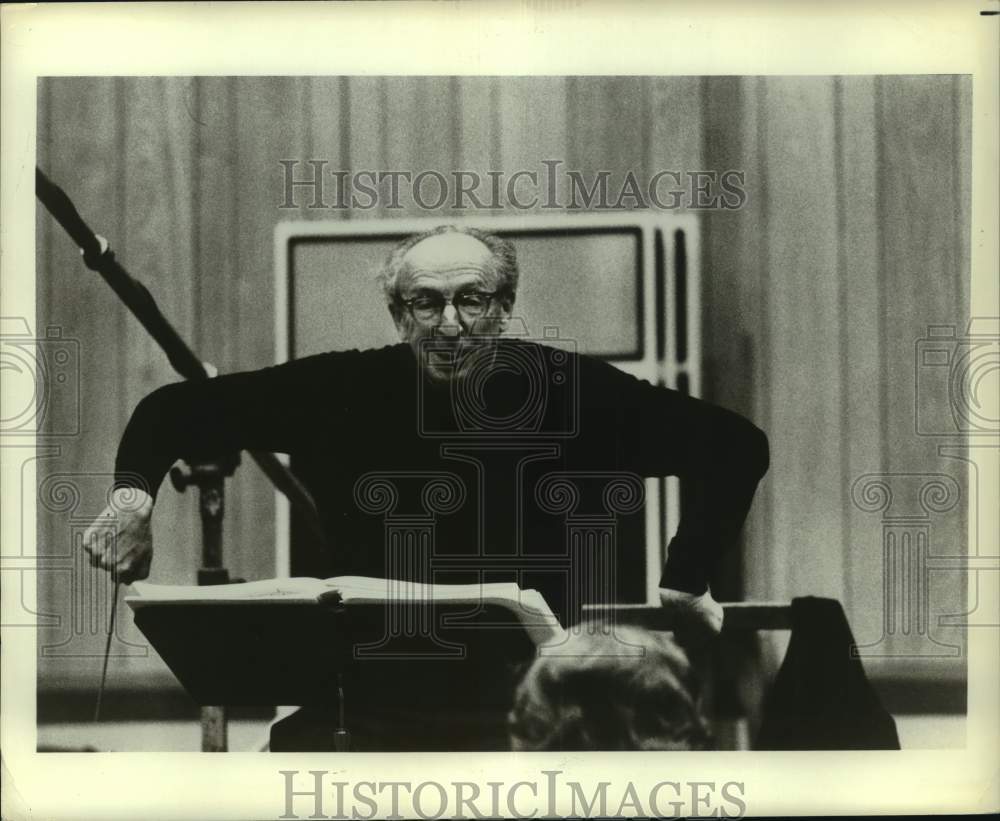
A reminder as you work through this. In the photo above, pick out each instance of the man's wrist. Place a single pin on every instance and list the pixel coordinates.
(134, 500)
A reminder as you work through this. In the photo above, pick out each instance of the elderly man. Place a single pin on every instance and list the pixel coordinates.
(343, 415)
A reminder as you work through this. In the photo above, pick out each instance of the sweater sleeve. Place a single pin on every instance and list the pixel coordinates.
(257, 410)
(719, 457)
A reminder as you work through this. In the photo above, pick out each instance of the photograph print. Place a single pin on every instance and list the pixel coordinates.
(474, 413)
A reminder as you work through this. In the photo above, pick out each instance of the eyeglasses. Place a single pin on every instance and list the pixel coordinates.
(470, 305)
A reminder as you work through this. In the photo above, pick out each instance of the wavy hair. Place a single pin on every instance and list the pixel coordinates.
(598, 695)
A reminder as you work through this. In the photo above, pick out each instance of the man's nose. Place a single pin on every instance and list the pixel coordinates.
(450, 324)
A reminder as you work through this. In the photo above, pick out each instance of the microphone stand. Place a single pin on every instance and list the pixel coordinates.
(209, 476)
(210, 479)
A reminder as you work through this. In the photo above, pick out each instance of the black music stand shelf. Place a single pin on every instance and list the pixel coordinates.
(252, 654)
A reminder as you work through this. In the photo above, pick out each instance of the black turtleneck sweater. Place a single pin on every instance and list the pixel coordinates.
(498, 477)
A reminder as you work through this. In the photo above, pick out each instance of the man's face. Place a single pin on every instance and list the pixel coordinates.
(451, 306)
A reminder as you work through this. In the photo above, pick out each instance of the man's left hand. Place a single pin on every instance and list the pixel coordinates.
(697, 619)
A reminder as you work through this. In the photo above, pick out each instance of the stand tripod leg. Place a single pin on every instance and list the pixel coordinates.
(214, 730)
(209, 478)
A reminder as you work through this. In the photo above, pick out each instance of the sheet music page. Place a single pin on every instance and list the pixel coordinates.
(355, 587)
(264, 588)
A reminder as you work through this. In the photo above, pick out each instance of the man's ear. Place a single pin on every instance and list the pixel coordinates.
(398, 318)
(506, 308)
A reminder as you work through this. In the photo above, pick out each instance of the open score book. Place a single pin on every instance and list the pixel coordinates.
(528, 606)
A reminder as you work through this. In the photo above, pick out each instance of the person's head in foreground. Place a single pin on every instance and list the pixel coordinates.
(450, 292)
(598, 694)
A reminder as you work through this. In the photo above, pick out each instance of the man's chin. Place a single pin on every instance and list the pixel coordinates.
(451, 365)
(438, 362)
(440, 373)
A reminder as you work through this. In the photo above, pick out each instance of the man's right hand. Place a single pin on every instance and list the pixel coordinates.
(121, 539)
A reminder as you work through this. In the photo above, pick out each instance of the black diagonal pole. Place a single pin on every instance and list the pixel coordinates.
(208, 477)
(98, 257)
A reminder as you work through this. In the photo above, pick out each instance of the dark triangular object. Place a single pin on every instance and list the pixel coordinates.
(821, 698)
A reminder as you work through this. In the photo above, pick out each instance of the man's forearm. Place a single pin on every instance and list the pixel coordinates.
(255, 410)
(158, 433)
(716, 495)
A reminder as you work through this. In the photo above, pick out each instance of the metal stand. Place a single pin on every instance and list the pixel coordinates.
(210, 478)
